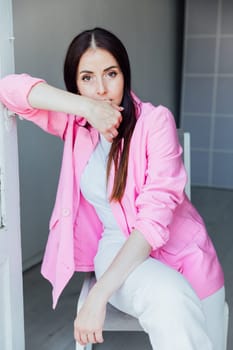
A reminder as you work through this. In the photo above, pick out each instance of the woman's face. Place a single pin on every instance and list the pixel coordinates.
(99, 76)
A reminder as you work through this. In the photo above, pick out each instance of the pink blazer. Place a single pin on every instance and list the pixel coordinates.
(154, 201)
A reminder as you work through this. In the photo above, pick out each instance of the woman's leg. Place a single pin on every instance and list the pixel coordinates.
(213, 308)
(167, 307)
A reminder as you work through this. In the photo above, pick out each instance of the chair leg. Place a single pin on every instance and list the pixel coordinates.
(226, 319)
(79, 347)
(83, 347)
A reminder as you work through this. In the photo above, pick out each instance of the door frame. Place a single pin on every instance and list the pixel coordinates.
(11, 291)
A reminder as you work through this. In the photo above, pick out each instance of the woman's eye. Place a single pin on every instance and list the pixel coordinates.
(86, 77)
(112, 74)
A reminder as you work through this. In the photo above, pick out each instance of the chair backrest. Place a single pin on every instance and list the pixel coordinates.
(184, 138)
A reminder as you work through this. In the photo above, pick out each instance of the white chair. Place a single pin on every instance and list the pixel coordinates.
(119, 321)
(184, 138)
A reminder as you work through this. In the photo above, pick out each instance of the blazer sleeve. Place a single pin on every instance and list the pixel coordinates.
(165, 178)
(14, 91)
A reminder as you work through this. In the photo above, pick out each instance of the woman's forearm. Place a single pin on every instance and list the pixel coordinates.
(135, 250)
(45, 96)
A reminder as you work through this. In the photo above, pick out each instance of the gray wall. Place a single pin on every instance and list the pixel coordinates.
(207, 107)
(43, 30)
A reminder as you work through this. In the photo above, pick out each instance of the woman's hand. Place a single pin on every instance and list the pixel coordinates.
(104, 116)
(88, 325)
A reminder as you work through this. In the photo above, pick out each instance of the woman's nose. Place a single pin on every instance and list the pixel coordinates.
(101, 87)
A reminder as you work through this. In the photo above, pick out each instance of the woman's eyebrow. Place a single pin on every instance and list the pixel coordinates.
(105, 70)
(85, 71)
(111, 67)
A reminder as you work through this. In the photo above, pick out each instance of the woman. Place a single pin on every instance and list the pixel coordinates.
(121, 208)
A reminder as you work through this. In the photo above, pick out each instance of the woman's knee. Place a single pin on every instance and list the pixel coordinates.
(171, 292)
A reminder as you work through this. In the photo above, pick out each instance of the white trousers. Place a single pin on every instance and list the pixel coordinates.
(165, 304)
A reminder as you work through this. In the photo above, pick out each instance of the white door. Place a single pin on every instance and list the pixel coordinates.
(11, 295)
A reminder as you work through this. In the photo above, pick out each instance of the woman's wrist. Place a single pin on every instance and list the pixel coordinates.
(100, 293)
(86, 108)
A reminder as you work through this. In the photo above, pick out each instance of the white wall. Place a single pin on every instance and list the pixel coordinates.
(43, 30)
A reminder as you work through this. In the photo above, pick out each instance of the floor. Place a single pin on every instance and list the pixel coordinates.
(46, 329)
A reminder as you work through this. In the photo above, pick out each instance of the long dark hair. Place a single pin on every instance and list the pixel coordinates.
(119, 152)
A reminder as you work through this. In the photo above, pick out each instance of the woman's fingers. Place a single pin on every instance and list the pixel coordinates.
(95, 337)
(118, 108)
(84, 337)
(99, 336)
(110, 135)
(113, 132)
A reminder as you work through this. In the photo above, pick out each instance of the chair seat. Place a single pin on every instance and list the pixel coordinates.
(115, 319)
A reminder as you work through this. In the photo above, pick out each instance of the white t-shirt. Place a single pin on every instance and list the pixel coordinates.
(93, 184)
